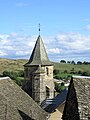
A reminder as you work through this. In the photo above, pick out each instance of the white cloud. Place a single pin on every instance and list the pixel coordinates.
(6, 47)
(74, 46)
(15, 45)
(48, 40)
(64, 45)
(74, 41)
(2, 54)
(22, 53)
(54, 51)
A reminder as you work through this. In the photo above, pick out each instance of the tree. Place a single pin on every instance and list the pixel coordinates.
(62, 61)
(68, 62)
(85, 63)
(79, 63)
(21, 73)
(65, 71)
(73, 62)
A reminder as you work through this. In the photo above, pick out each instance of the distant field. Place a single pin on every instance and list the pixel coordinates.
(11, 65)
(62, 67)
(16, 65)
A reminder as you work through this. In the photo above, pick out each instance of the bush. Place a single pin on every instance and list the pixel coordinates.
(57, 77)
(16, 76)
(21, 73)
(86, 73)
(65, 71)
(79, 72)
(73, 62)
(55, 72)
(19, 81)
(59, 87)
(11, 74)
(72, 71)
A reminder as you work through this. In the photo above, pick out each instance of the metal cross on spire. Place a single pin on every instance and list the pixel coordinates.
(39, 29)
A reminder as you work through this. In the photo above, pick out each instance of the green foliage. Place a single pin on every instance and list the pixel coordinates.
(18, 77)
(65, 71)
(79, 72)
(79, 63)
(63, 76)
(14, 69)
(68, 62)
(56, 71)
(59, 87)
(58, 76)
(72, 71)
(86, 63)
(11, 74)
(21, 73)
(68, 67)
(19, 80)
(62, 61)
(85, 73)
(73, 62)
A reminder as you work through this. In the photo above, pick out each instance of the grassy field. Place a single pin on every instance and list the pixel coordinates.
(11, 65)
(69, 67)
(16, 65)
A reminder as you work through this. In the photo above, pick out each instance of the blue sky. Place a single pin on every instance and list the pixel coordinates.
(65, 28)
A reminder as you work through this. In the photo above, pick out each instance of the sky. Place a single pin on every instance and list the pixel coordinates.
(64, 28)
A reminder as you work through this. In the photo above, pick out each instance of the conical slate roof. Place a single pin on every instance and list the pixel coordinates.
(39, 55)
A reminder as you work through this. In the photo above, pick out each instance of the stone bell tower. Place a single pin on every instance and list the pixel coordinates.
(38, 74)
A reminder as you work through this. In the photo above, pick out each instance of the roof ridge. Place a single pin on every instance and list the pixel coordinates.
(4, 78)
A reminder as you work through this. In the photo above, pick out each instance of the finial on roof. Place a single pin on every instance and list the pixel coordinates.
(39, 29)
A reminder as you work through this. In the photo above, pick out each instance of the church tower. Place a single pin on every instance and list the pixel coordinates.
(38, 74)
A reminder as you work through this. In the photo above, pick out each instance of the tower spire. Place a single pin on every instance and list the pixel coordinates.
(39, 29)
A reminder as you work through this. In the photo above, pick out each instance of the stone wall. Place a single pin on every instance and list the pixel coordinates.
(38, 87)
(36, 80)
(82, 85)
(49, 80)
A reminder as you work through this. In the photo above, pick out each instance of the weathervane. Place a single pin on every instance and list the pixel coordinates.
(39, 29)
